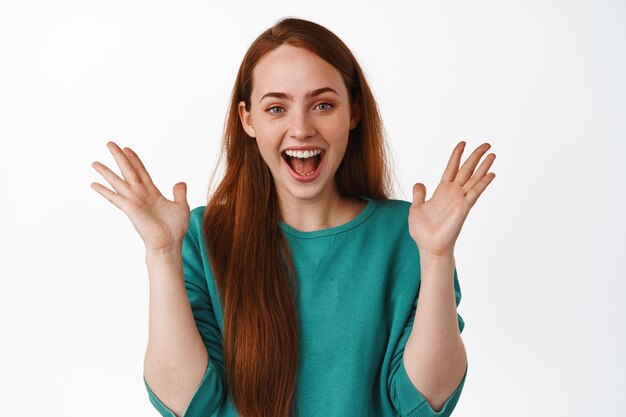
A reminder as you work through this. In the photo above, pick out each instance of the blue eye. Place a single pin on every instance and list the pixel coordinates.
(330, 106)
(273, 112)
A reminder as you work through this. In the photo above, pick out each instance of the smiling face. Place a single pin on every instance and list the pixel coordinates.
(300, 116)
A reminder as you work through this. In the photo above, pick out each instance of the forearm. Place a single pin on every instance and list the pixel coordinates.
(434, 356)
(176, 358)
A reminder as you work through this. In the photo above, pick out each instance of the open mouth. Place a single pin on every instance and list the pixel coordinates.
(305, 163)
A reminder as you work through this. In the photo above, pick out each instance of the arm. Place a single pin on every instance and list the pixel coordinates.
(176, 358)
(434, 356)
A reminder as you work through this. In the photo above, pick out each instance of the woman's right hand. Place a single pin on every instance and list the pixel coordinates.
(161, 223)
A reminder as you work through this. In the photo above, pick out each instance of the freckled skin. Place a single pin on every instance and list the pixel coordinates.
(299, 121)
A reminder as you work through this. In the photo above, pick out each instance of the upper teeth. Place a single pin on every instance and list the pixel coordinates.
(303, 154)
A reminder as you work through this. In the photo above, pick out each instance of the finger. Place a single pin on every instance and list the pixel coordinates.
(122, 161)
(116, 182)
(108, 194)
(468, 167)
(419, 194)
(453, 163)
(480, 172)
(180, 193)
(141, 170)
(478, 189)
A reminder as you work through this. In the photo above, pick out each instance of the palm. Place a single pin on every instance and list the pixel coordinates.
(160, 222)
(436, 224)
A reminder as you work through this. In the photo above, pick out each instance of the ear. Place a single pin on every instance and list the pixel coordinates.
(244, 116)
(355, 112)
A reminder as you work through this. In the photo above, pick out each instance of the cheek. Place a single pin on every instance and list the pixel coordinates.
(268, 149)
(339, 123)
(265, 149)
(336, 131)
(266, 132)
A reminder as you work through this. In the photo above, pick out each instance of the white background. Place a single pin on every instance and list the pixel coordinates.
(540, 257)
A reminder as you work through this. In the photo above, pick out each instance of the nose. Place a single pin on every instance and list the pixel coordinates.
(300, 125)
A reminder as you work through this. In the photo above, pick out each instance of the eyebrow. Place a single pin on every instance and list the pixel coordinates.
(290, 97)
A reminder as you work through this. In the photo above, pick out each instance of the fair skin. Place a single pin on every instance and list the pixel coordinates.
(299, 118)
(434, 356)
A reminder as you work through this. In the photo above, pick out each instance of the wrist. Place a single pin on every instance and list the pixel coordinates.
(427, 257)
(435, 267)
(172, 251)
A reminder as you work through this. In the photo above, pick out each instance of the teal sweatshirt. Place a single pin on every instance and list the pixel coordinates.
(358, 287)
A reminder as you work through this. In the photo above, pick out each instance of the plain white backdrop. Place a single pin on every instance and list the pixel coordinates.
(540, 257)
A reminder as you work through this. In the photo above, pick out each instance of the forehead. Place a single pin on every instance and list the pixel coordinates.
(296, 71)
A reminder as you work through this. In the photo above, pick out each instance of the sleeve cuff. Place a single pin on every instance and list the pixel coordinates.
(205, 400)
(411, 402)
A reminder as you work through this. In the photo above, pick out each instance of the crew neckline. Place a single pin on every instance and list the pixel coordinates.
(360, 218)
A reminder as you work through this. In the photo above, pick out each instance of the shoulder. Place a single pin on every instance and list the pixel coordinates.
(195, 222)
(394, 206)
(392, 210)
(390, 218)
(196, 214)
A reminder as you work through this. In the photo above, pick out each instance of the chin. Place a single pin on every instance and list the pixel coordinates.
(305, 191)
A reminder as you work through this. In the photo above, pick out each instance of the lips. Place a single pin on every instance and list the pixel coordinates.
(295, 162)
(304, 178)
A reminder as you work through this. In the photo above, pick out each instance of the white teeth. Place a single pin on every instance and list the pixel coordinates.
(303, 154)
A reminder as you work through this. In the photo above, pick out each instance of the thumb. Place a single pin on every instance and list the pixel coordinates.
(419, 194)
(180, 192)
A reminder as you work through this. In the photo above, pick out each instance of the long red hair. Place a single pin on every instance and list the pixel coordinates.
(249, 256)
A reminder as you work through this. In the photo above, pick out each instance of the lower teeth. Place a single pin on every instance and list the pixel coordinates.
(303, 175)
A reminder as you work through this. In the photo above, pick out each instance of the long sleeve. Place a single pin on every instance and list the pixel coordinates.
(405, 397)
(211, 392)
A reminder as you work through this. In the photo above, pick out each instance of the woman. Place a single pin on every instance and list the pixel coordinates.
(295, 290)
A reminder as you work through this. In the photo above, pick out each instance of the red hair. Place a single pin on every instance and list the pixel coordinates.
(250, 258)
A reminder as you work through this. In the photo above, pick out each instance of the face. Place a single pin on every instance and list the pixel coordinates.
(300, 117)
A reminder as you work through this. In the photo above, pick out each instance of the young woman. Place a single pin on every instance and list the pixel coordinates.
(295, 290)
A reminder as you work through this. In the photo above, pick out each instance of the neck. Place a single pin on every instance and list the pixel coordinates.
(323, 211)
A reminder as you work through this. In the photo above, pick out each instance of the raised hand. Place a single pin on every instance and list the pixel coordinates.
(161, 223)
(435, 224)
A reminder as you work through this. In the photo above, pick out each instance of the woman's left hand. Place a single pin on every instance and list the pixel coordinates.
(435, 224)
